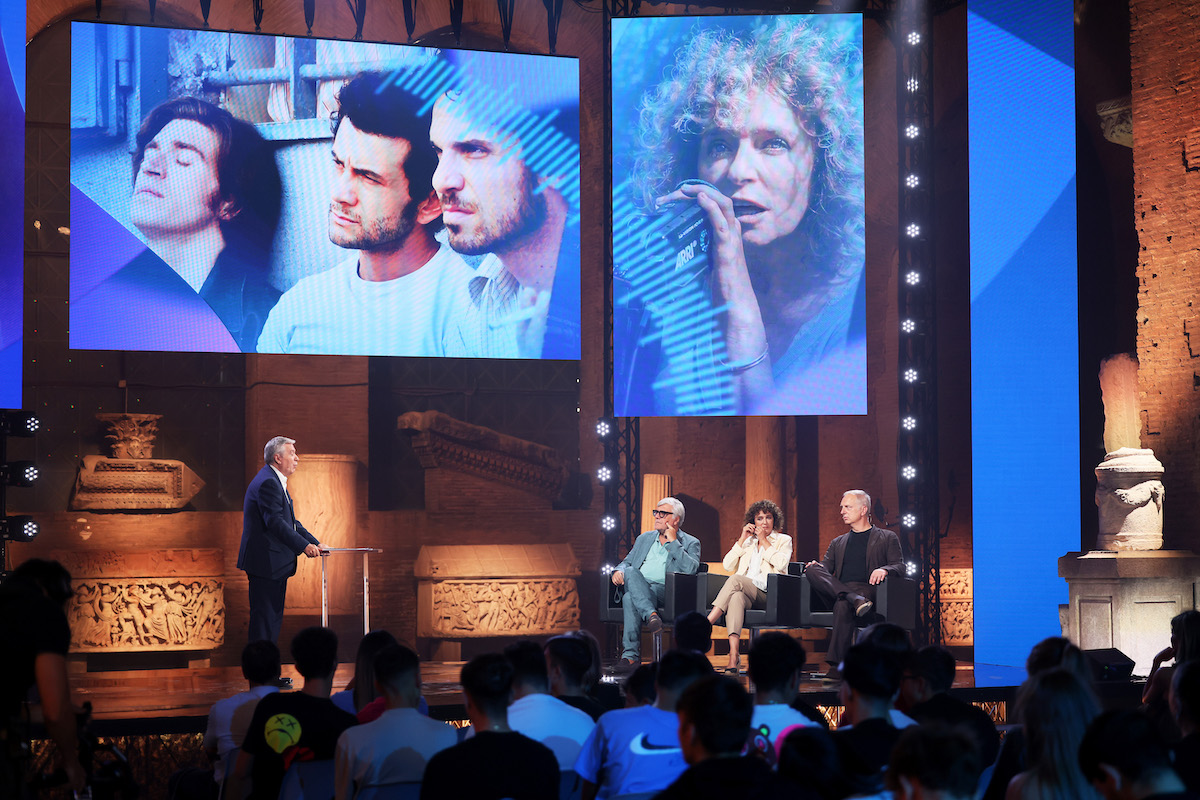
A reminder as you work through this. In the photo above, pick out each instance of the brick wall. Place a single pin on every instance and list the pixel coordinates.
(1166, 160)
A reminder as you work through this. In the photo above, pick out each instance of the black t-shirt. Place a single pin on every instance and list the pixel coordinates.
(585, 704)
(951, 710)
(30, 624)
(289, 727)
(854, 559)
(721, 778)
(492, 765)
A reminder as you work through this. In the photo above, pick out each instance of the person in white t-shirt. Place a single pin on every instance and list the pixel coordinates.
(776, 668)
(402, 291)
(538, 714)
(229, 717)
(396, 747)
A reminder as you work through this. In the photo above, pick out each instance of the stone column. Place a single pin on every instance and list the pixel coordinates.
(654, 488)
(323, 489)
(764, 460)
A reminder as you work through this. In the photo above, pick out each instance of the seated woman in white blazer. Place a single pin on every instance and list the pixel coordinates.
(759, 551)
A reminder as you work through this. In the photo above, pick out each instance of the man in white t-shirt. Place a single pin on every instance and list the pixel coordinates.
(402, 291)
(776, 668)
(537, 713)
(637, 749)
(395, 747)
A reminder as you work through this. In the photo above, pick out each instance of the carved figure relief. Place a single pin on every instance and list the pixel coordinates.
(504, 607)
(147, 614)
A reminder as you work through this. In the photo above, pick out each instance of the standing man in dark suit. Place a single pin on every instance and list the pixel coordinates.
(272, 538)
(854, 565)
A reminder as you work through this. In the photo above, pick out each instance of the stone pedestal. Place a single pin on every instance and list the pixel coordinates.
(323, 489)
(1126, 599)
(1129, 495)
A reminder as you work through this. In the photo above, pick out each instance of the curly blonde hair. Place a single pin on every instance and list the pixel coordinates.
(815, 66)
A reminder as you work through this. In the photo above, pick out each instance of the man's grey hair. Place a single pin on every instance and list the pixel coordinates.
(677, 507)
(862, 496)
(274, 446)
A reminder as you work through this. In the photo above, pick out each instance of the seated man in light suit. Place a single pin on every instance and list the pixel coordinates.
(643, 576)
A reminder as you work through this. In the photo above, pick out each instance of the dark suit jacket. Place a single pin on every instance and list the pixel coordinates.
(271, 535)
(883, 552)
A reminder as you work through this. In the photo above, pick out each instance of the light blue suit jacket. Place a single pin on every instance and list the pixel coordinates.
(683, 554)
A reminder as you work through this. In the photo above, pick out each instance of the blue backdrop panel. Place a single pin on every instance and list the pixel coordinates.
(1024, 335)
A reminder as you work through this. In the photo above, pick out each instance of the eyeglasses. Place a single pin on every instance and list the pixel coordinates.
(660, 514)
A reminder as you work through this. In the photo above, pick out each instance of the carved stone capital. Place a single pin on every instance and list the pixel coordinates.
(1116, 120)
(115, 484)
(442, 442)
(132, 434)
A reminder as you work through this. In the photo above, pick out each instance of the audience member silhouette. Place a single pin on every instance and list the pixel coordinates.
(934, 762)
(639, 686)
(925, 696)
(568, 659)
(811, 762)
(693, 631)
(497, 762)
(870, 682)
(361, 691)
(395, 747)
(539, 715)
(714, 721)
(891, 638)
(637, 749)
(777, 669)
(1185, 707)
(229, 718)
(1125, 759)
(293, 726)
(1055, 707)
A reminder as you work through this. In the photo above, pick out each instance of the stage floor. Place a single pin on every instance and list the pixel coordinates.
(178, 700)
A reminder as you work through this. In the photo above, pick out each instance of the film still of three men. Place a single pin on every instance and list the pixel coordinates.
(234, 192)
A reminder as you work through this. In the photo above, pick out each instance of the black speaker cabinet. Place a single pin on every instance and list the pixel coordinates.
(1109, 664)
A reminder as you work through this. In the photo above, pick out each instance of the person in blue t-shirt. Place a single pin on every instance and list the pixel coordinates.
(637, 749)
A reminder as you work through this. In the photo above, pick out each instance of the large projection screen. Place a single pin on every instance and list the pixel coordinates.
(237, 192)
(738, 216)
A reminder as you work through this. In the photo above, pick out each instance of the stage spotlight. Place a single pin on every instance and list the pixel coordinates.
(19, 529)
(910, 569)
(913, 230)
(15, 422)
(19, 473)
(605, 427)
(914, 38)
(607, 569)
(912, 181)
(912, 84)
(912, 131)
(909, 520)
(909, 423)
(908, 326)
(909, 472)
(609, 523)
(912, 278)
(910, 375)
(604, 473)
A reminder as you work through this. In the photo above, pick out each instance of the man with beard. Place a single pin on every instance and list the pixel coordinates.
(399, 294)
(503, 196)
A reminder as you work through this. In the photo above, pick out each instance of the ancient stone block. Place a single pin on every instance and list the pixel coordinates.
(113, 484)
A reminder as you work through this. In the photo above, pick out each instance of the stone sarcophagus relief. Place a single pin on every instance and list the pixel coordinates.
(443, 442)
(478, 591)
(130, 601)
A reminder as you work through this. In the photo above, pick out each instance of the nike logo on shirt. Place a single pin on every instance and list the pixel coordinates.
(640, 747)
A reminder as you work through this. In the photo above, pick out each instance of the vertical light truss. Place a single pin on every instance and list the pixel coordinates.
(917, 445)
